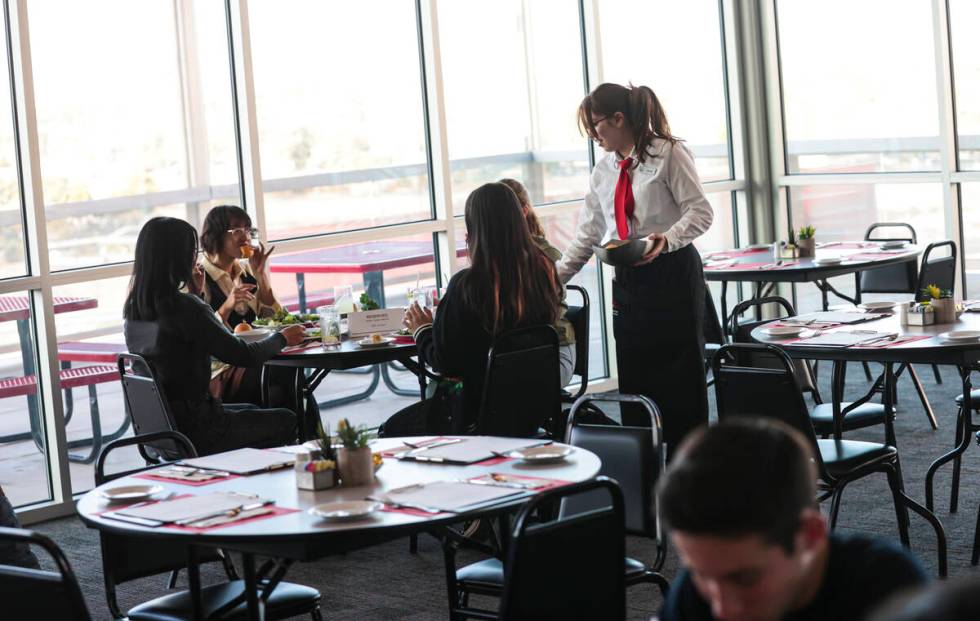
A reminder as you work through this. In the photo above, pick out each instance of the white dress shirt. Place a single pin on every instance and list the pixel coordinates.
(667, 196)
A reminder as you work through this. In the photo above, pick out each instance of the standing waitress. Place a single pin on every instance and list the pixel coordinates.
(646, 186)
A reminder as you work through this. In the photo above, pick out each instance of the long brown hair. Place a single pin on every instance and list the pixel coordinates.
(510, 279)
(642, 110)
(533, 224)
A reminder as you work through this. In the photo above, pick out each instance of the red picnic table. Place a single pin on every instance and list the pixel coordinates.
(17, 308)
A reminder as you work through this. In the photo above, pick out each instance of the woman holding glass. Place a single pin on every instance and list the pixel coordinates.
(647, 187)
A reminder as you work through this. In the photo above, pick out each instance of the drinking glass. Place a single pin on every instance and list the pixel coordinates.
(329, 325)
(343, 299)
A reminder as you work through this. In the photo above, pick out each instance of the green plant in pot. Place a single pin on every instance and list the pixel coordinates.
(354, 457)
(942, 303)
(805, 241)
(319, 472)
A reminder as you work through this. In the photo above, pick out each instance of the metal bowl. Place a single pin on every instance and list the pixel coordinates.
(623, 254)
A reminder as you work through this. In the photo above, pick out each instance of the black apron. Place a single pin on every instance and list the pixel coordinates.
(658, 310)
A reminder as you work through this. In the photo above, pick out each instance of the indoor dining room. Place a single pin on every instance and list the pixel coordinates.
(646, 310)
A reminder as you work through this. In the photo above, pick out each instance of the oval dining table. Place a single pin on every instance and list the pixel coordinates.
(302, 536)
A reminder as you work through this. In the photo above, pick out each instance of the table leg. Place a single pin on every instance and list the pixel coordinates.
(194, 583)
(27, 359)
(256, 611)
(857, 287)
(965, 438)
(301, 291)
(374, 286)
(724, 305)
(386, 376)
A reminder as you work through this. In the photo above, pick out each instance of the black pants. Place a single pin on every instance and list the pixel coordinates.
(658, 312)
(254, 427)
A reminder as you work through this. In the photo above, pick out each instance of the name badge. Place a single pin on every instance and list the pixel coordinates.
(380, 321)
(648, 170)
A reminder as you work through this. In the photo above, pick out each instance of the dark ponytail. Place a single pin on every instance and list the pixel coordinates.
(640, 106)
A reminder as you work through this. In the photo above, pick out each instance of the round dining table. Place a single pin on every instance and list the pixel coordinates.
(301, 536)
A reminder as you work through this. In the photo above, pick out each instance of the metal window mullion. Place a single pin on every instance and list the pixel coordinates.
(192, 105)
(246, 120)
(32, 195)
(859, 178)
(435, 98)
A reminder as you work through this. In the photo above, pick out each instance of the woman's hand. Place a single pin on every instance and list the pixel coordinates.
(659, 245)
(259, 260)
(294, 334)
(196, 285)
(241, 293)
(416, 317)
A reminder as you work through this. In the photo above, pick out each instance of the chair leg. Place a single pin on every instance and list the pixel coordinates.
(867, 370)
(901, 512)
(413, 544)
(316, 615)
(975, 557)
(172, 581)
(922, 397)
(935, 372)
(954, 488)
(835, 505)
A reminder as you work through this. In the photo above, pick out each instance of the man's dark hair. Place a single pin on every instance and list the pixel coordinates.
(741, 477)
(217, 223)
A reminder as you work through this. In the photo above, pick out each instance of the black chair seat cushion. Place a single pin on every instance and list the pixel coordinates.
(864, 415)
(489, 574)
(974, 396)
(287, 600)
(845, 456)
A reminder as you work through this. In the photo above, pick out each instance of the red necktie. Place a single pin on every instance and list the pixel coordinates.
(624, 199)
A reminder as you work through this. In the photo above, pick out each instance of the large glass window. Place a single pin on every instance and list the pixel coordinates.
(970, 198)
(680, 58)
(857, 96)
(339, 104)
(963, 17)
(12, 254)
(135, 121)
(513, 79)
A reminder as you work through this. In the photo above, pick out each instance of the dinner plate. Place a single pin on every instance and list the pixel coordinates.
(255, 334)
(130, 493)
(878, 306)
(960, 336)
(784, 331)
(892, 245)
(345, 511)
(385, 340)
(542, 454)
(827, 261)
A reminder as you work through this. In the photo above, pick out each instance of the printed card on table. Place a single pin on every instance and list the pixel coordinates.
(380, 321)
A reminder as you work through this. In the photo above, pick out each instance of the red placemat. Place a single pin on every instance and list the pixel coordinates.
(737, 252)
(276, 511)
(847, 245)
(154, 477)
(493, 461)
(420, 444)
(415, 512)
(120, 505)
(552, 483)
(899, 341)
(871, 256)
(759, 266)
(302, 347)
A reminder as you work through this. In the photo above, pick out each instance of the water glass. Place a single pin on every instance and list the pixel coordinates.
(329, 325)
(343, 299)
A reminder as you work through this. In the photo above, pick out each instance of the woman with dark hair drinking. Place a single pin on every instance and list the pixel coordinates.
(510, 284)
(646, 187)
(178, 334)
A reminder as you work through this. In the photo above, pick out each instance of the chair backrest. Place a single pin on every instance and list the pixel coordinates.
(147, 407)
(891, 278)
(569, 568)
(759, 381)
(39, 594)
(580, 318)
(521, 386)
(940, 271)
(633, 456)
(125, 558)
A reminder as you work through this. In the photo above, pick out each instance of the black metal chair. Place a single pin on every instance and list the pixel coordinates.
(125, 559)
(569, 567)
(714, 332)
(30, 594)
(521, 389)
(941, 272)
(739, 380)
(579, 316)
(634, 457)
(822, 414)
(146, 406)
(891, 278)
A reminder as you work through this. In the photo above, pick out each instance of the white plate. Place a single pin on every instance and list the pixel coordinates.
(827, 261)
(385, 340)
(758, 246)
(960, 336)
(878, 306)
(542, 454)
(255, 334)
(130, 493)
(893, 245)
(345, 511)
(784, 331)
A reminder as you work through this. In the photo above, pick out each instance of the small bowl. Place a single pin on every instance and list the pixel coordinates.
(622, 253)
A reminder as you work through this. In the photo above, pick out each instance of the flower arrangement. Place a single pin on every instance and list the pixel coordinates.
(324, 444)
(350, 436)
(321, 471)
(806, 232)
(935, 293)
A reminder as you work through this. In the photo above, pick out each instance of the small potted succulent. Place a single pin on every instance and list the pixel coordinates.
(354, 457)
(942, 303)
(805, 241)
(318, 469)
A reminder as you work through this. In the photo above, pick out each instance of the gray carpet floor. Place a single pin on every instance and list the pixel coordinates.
(386, 582)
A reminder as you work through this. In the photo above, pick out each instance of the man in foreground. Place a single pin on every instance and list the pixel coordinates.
(739, 500)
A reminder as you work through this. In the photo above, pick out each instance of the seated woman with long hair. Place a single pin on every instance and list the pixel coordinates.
(178, 334)
(510, 284)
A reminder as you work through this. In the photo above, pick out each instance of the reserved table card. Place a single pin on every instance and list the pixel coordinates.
(381, 321)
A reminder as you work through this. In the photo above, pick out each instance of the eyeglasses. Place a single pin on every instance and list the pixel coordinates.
(596, 122)
(247, 231)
